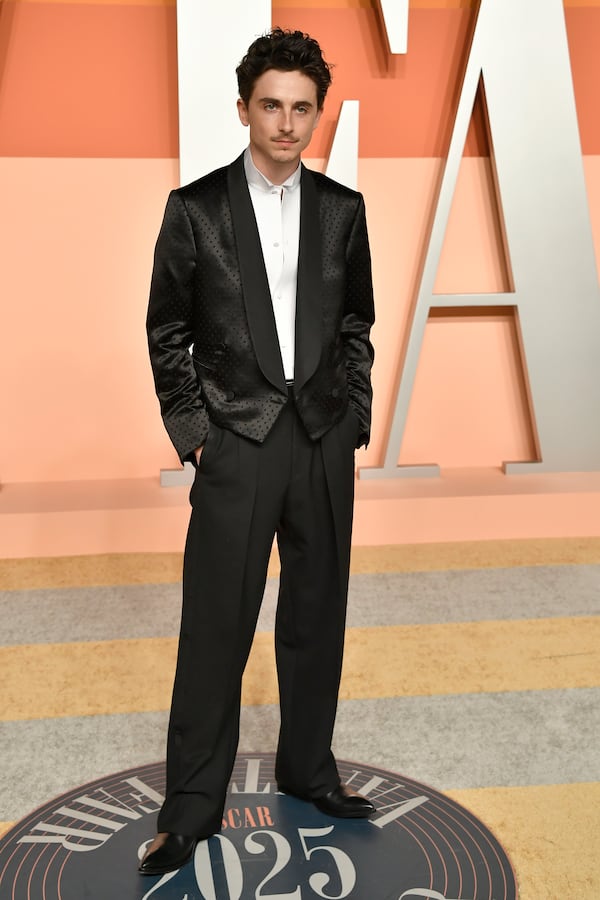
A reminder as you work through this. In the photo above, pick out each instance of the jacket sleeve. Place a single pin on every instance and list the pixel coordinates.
(359, 315)
(169, 326)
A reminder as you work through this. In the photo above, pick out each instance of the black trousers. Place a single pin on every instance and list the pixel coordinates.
(243, 495)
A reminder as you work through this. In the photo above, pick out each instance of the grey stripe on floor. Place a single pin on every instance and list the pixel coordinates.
(450, 742)
(139, 611)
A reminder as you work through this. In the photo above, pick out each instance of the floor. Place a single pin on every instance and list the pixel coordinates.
(473, 667)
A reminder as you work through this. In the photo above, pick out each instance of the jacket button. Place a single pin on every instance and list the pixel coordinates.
(230, 395)
(335, 392)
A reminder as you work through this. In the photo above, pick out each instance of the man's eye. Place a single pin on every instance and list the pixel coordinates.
(270, 106)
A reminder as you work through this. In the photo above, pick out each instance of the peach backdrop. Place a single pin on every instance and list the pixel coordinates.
(88, 153)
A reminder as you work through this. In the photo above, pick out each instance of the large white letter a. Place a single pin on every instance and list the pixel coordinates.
(520, 53)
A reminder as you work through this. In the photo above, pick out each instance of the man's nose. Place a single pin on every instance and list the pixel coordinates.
(285, 120)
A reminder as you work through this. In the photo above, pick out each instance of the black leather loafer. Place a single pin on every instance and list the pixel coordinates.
(174, 853)
(340, 802)
(344, 803)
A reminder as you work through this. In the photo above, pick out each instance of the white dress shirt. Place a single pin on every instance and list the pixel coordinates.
(277, 212)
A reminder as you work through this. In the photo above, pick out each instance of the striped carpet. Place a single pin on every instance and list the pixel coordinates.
(474, 668)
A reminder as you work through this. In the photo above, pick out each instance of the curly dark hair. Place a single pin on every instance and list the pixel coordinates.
(286, 51)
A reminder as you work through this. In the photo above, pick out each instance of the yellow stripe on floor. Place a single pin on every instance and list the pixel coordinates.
(90, 571)
(476, 555)
(104, 677)
(472, 657)
(161, 568)
(550, 833)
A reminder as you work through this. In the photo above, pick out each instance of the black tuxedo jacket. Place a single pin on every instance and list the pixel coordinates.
(210, 291)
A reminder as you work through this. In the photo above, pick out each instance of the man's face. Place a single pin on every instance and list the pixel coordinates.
(282, 114)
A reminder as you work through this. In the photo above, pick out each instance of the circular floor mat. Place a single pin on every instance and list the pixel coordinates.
(85, 844)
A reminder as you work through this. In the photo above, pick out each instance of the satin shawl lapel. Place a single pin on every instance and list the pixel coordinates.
(255, 285)
(310, 287)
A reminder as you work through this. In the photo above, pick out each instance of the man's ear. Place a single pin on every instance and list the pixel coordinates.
(242, 111)
(317, 118)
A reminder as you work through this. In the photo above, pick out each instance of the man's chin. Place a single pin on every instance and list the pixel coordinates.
(286, 155)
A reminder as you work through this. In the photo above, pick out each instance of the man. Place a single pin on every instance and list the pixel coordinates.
(264, 268)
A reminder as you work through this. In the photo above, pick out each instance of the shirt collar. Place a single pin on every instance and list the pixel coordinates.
(260, 181)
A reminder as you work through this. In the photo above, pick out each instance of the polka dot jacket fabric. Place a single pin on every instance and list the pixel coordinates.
(209, 294)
